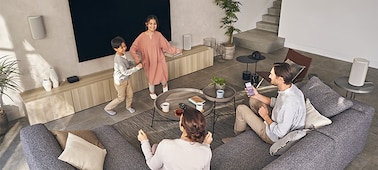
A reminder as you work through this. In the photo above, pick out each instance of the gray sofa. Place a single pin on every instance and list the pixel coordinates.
(330, 147)
(42, 150)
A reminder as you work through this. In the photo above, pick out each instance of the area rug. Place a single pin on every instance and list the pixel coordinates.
(166, 129)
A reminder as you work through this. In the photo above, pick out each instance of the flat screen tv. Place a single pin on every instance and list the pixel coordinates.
(96, 22)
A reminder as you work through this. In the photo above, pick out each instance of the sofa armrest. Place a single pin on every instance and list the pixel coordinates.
(120, 153)
(41, 150)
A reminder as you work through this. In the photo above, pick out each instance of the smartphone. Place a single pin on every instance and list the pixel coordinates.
(248, 86)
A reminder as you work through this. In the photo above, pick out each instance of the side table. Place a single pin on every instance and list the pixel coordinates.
(210, 94)
(249, 59)
(351, 90)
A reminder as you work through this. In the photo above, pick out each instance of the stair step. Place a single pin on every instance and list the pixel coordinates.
(277, 4)
(274, 19)
(266, 26)
(274, 11)
(259, 40)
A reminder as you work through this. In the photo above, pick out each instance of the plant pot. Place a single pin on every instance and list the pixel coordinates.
(219, 87)
(3, 122)
(228, 51)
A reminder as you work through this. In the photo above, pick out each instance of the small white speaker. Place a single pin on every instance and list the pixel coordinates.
(187, 42)
(358, 72)
(37, 27)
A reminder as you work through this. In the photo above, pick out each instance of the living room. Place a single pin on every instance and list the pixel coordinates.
(199, 18)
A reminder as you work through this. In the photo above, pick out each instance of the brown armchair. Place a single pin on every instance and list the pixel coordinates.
(302, 62)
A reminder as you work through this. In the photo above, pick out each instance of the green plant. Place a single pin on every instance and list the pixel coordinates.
(230, 7)
(218, 80)
(9, 73)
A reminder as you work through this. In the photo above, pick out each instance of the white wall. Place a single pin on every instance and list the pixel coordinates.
(340, 29)
(201, 18)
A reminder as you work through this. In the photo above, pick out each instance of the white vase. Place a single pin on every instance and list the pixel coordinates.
(47, 84)
(54, 78)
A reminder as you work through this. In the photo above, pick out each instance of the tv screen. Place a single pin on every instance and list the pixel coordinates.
(96, 22)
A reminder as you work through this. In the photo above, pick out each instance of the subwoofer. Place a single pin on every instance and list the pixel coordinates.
(358, 72)
(37, 27)
(187, 42)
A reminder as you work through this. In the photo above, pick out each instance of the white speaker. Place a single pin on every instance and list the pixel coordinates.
(187, 42)
(37, 27)
(358, 72)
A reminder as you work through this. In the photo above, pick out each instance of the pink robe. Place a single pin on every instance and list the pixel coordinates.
(153, 58)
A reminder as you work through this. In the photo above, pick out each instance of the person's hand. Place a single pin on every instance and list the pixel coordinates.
(142, 136)
(263, 112)
(137, 60)
(255, 92)
(178, 50)
(139, 66)
(208, 138)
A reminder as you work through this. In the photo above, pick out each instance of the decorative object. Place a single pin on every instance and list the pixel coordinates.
(187, 41)
(54, 78)
(46, 84)
(230, 8)
(37, 27)
(218, 82)
(9, 74)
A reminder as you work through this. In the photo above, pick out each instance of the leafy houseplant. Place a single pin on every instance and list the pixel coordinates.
(218, 82)
(9, 73)
(230, 7)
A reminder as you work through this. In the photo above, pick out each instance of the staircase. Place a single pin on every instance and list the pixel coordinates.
(264, 37)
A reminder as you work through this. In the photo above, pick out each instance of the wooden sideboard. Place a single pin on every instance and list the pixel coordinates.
(97, 88)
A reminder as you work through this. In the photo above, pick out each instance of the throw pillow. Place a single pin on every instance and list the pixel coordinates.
(328, 102)
(296, 69)
(283, 144)
(314, 119)
(88, 135)
(82, 154)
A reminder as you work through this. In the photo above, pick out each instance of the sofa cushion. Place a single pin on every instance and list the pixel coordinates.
(88, 135)
(82, 154)
(314, 119)
(283, 144)
(328, 102)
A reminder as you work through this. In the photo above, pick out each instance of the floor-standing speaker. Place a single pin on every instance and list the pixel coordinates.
(358, 72)
(37, 27)
(187, 42)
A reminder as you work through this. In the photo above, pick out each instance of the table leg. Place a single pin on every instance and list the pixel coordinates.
(214, 116)
(153, 117)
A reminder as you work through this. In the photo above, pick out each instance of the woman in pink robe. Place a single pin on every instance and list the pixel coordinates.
(152, 45)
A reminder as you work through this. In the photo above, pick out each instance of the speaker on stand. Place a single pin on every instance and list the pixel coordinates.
(37, 27)
(358, 72)
(187, 41)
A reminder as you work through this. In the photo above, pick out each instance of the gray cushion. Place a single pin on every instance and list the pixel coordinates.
(324, 99)
(283, 144)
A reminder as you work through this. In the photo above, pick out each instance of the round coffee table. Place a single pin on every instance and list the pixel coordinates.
(176, 96)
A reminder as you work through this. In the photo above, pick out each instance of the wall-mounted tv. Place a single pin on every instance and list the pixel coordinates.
(96, 22)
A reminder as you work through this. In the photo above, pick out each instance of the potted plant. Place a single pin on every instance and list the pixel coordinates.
(230, 8)
(9, 73)
(218, 82)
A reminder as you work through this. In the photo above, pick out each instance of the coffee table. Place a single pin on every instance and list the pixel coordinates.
(174, 97)
(210, 94)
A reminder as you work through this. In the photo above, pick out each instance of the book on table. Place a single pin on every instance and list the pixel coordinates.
(196, 99)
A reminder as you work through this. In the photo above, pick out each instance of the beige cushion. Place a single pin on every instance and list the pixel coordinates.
(314, 119)
(88, 135)
(82, 155)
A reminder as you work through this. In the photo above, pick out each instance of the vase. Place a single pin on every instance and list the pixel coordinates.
(46, 84)
(54, 78)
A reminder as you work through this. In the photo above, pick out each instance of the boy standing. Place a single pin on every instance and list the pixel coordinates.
(122, 71)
